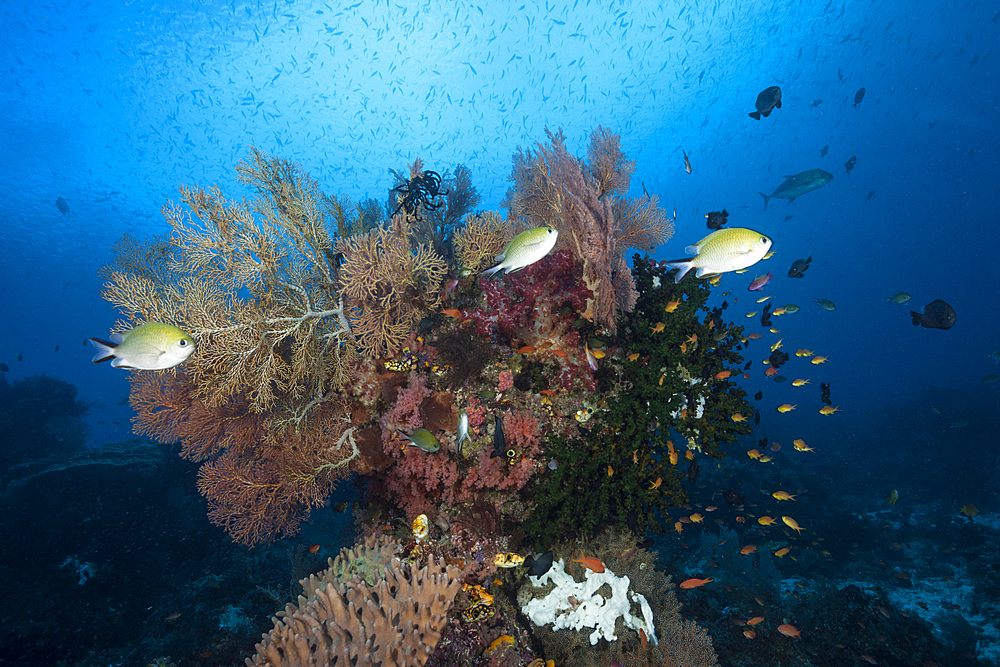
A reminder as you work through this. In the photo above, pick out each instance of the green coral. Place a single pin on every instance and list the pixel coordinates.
(616, 472)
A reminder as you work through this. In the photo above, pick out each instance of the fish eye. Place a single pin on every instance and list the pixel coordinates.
(182, 342)
(511, 453)
(763, 239)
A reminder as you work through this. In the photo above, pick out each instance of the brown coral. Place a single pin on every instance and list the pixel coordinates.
(388, 287)
(393, 620)
(483, 237)
(586, 202)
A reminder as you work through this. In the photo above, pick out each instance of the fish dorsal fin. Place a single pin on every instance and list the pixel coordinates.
(696, 248)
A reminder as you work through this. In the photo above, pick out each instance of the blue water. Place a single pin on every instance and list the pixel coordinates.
(113, 105)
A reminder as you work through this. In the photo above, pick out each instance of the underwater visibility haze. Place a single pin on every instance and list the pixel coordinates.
(500, 334)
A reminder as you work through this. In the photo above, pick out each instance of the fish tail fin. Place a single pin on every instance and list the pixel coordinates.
(755, 115)
(916, 317)
(105, 350)
(766, 198)
(684, 265)
(489, 272)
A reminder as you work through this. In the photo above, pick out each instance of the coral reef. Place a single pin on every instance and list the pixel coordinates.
(329, 332)
(396, 618)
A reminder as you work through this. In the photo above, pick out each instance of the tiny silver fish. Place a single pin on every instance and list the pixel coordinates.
(463, 429)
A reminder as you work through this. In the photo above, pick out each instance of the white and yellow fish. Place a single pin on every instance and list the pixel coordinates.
(151, 346)
(723, 251)
(527, 248)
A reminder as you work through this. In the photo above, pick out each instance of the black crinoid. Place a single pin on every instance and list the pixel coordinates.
(421, 190)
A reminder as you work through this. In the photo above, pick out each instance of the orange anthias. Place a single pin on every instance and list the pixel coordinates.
(590, 563)
(789, 630)
(694, 583)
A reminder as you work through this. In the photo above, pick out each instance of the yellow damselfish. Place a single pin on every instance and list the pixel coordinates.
(722, 251)
(151, 346)
(527, 248)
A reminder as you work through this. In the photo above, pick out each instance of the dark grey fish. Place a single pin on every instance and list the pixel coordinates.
(768, 100)
(816, 103)
(799, 267)
(870, 195)
(4, 368)
(824, 393)
(538, 566)
(62, 205)
(499, 443)
(850, 164)
(858, 96)
(823, 151)
(717, 218)
(778, 358)
(937, 315)
(765, 316)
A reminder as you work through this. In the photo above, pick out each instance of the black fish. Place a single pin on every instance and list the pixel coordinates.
(824, 393)
(823, 151)
(765, 317)
(646, 543)
(937, 315)
(693, 471)
(538, 566)
(816, 103)
(858, 96)
(762, 443)
(759, 395)
(756, 418)
(499, 444)
(840, 75)
(734, 497)
(870, 195)
(767, 101)
(20, 356)
(62, 205)
(850, 164)
(717, 218)
(777, 358)
(799, 267)
(747, 366)
(4, 368)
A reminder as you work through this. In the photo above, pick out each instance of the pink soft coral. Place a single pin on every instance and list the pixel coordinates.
(404, 414)
(420, 479)
(522, 434)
